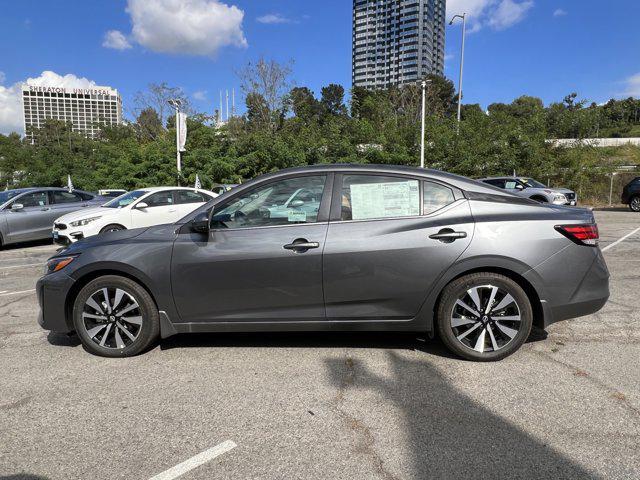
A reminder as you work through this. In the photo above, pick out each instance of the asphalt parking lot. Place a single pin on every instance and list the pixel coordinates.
(342, 406)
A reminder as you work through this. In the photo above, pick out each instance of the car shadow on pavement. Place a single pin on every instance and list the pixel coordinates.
(367, 340)
(34, 243)
(448, 435)
(62, 340)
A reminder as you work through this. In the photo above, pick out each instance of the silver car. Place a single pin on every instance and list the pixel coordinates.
(530, 188)
(27, 213)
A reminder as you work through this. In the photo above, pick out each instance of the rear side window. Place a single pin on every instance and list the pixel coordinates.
(86, 196)
(365, 197)
(495, 182)
(60, 196)
(187, 196)
(436, 196)
(510, 184)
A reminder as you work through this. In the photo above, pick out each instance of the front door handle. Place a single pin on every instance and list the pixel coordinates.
(446, 235)
(301, 245)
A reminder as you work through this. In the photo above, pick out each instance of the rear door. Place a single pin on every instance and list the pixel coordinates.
(33, 221)
(63, 202)
(390, 238)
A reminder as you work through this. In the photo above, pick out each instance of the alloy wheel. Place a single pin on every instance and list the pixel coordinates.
(112, 318)
(485, 318)
(635, 204)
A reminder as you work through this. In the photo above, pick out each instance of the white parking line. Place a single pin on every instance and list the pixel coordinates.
(5, 293)
(195, 461)
(611, 245)
(22, 266)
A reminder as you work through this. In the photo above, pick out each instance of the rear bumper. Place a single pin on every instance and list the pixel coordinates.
(52, 291)
(568, 295)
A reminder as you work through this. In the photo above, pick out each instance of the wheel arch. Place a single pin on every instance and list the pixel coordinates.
(539, 198)
(87, 276)
(503, 266)
(113, 224)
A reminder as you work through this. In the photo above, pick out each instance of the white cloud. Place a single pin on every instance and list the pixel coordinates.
(509, 13)
(496, 14)
(115, 39)
(632, 84)
(200, 95)
(11, 114)
(274, 18)
(559, 13)
(190, 27)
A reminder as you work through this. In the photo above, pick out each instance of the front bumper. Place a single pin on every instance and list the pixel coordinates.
(52, 291)
(66, 237)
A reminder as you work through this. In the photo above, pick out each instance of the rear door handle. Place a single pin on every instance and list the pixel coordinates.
(447, 235)
(301, 245)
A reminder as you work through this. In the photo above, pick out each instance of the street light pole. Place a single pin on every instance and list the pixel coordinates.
(424, 114)
(464, 32)
(176, 103)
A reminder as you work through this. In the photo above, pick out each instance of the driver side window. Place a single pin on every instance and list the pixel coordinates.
(284, 202)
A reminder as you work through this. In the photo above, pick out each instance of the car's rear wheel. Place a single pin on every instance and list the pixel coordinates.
(634, 204)
(484, 316)
(115, 317)
(112, 228)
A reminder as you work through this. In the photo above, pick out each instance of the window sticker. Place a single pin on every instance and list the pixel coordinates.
(383, 200)
(297, 216)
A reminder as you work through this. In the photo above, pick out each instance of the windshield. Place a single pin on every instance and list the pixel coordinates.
(9, 194)
(531, 183)
(126, 199)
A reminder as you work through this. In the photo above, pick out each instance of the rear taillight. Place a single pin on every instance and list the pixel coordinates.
(583, 234)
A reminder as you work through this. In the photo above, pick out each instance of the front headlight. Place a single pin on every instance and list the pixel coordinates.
(83, 222)
(559, 197)
(57, 264)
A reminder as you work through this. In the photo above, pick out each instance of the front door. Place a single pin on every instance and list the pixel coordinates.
(390, 238)
(160, 209)
(260, 262)
(33, 221)
(63, 202)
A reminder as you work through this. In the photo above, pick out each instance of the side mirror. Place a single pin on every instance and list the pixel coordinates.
(519, 187)
(17, 206)
(200, 224)
(296, 203)
(141, 206)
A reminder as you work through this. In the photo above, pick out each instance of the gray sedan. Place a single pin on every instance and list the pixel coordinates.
(28, 213)
(530, 188)
(387, 249)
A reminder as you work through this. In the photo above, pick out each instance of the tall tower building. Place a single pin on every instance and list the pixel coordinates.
(397, 41)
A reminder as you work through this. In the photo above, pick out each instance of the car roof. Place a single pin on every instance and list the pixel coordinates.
(458, 181)
(159, 189)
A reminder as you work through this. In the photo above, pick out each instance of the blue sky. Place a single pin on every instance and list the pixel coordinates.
(545, 48)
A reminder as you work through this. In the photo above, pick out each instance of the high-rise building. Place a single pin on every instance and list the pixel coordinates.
(86, 109)
(397, 41)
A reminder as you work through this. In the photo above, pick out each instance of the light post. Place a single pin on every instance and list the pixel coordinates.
(424, 115)
(176, 104)
(464, 32)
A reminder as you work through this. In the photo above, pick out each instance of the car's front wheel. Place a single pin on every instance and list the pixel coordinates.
(484, 316)
(634, 204)
(115, 317)
(112, 228)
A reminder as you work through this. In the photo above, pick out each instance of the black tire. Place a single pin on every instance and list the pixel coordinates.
(634, 203)
(460, 287)
(147, 313)
(114, 227)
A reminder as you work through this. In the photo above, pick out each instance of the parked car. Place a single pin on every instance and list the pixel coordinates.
(389, 249)
(631, 194)
(140, 208)
(111, 192)
(27, 213)
(530, 188)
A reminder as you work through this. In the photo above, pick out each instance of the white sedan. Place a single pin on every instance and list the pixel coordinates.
(140, 208)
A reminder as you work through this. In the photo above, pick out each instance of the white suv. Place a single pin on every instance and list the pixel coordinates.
(140, 208)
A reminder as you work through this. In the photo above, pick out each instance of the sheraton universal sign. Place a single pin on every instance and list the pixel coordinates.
(64, 90)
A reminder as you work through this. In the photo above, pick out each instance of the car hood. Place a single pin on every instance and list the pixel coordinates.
(86, 213)
(102, 239)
